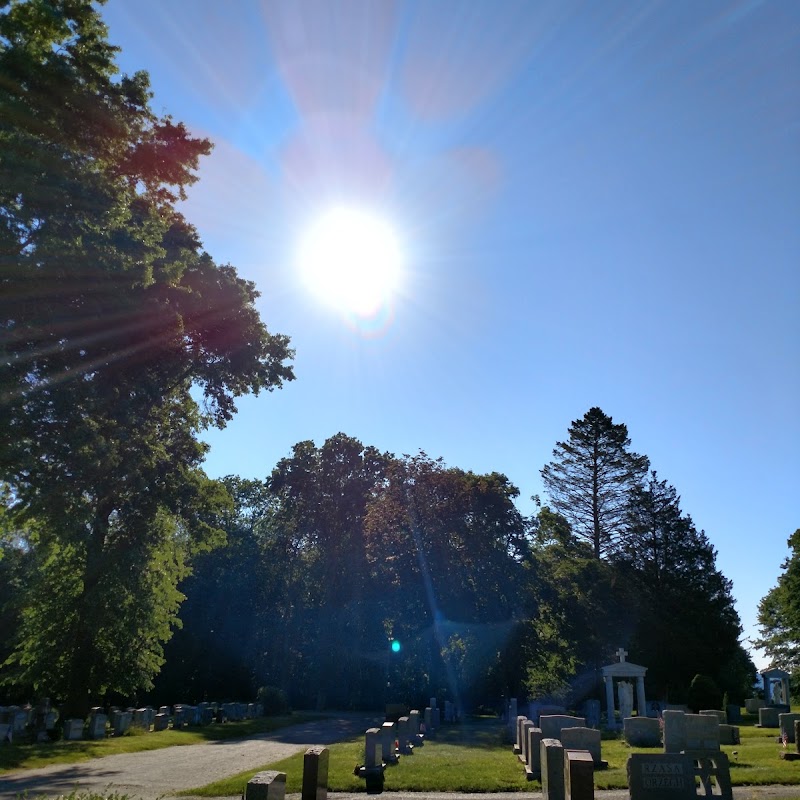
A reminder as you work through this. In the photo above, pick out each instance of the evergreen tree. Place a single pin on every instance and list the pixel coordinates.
(779, 615)
(685, 620)
(111, 314)
(590, 479)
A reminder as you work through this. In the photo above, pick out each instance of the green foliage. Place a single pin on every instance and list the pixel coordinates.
(672, 565)
(779, 615)
(341, 551)
(112, 314)
(590, 479)
(704, 693)
(274, 700)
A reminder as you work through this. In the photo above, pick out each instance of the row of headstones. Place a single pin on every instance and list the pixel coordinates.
(385, 745)
(16, 720)
(679, 730)
(121, 721)
(566, 765)
(571, 732)
(271, 785)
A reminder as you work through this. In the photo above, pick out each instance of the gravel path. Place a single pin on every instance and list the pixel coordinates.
(159, 773)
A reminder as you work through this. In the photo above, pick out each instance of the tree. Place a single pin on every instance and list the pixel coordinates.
(575, 612)
(111, 316)
(673, 567)
(590, 479)
(445, 547)
(779, 614)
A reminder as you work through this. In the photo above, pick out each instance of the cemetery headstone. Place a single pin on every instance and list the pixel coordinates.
(267, 785)
(552, 761)
(19, 721)
(533, 768)
(373, 749)
(160, 722)
(553, 724)
(752, 704)
(122, 722)
(734, 713)
(661, 776)
(537, 711)
(674, 731)
(713, 768)
(578, 774)
(315, 774)
(403, 742)
(372, 770)
(518, 735)
(414, 734)
(702, 733)
(653, 708)
(512, 716)
(729, 734)
(768, 717)
(388, 738)
(524, 741)
(722, 716)
(587, 739)
(73, 729)
(97, 726)
(786, 724)
(642, 731)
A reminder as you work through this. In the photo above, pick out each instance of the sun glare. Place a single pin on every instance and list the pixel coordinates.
(351, 260)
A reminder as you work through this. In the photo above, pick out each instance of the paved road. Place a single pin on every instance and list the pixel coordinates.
(158, 773)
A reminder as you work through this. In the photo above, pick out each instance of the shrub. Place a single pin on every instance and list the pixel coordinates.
(274, 700)
(704, 693)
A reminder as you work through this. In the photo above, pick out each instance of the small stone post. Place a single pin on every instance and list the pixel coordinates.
(315, 774)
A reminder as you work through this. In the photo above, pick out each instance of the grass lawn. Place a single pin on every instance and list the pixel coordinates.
(474, 757)
(28, 756)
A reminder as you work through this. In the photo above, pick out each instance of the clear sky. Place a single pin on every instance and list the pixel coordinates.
(597, 204)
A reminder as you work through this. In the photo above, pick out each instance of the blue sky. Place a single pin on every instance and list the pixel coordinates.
(598, 205)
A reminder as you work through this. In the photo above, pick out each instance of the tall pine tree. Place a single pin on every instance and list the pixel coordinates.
(590, 479)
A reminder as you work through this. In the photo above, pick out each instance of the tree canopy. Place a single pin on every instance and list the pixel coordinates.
(779, 614)
(112, 315)
(590, 479)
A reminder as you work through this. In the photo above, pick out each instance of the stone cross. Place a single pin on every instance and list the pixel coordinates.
(621, 653)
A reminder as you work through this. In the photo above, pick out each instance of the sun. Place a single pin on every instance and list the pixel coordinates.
(351, 259)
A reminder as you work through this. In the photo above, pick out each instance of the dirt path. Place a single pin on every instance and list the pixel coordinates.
(159, 773)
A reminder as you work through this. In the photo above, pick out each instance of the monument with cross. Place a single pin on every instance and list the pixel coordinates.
(621, 671)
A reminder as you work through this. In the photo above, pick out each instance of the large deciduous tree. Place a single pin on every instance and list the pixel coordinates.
(779, 614)
(110, 315)
(590, 479)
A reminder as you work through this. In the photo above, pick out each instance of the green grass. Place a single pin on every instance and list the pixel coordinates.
(28, 756)
(473, 757)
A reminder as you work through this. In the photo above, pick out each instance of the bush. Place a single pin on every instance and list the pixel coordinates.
(704, 693)
(274, 701)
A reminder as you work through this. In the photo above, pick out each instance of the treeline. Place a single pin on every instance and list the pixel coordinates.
(351, 577)
(344, 550)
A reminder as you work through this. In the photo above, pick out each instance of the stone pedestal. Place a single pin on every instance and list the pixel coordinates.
(267, 785)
